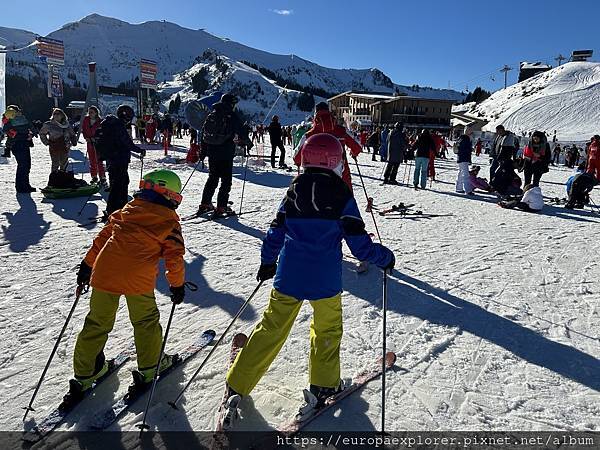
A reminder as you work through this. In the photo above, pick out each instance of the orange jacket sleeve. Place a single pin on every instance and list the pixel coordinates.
(173, 250)
(98, 244)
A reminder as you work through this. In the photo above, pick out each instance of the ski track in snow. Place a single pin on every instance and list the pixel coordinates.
(494, 314)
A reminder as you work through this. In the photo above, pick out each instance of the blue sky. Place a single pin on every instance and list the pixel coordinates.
(438, 43)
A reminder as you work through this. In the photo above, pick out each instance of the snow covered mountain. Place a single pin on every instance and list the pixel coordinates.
(117, 47)
(566, 99)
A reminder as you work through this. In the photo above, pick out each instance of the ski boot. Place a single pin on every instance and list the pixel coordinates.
(205, 208)
(142, 378)
(78, 386)
(222, 211)
(104, 184)
(94, 180)
(315, 398)
(229, 413)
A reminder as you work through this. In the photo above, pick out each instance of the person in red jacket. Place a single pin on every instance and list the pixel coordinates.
(91, 122)
(324, 122)
(593, 162)
(478, 147)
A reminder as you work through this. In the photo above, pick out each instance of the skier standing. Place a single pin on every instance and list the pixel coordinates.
(556, 155)
(373, 141)
(59, 136)
(91, 123)
(423, 146)
(463, 158)
(123, 260)
(19, 140)
(593, 162)
(218, 133)
(115, 147)
(383, 143)
(276, 138)
(397, 143)
(503, 149)
(536, 158)
(304, 243)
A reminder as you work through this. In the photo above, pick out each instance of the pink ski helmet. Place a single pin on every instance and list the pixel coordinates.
(323, 150)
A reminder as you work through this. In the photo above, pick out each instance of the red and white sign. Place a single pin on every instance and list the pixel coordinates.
(148, 70)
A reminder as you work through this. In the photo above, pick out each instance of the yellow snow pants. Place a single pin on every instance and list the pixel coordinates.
(270, 334)
(147, 331)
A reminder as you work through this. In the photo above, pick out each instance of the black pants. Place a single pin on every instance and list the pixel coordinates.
(274, 147)
(23, 157)
(218, 170)
(532, 171)
(391, 171)
(119, 185)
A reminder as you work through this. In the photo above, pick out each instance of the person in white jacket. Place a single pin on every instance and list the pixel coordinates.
(532, 200)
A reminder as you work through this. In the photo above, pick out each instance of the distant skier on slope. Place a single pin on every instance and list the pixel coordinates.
(124, 260)
(317, 213)
(218, 133)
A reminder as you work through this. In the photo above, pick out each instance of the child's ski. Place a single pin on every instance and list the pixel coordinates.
(400, 208)
(123, 404)
(58, 415)
(368, 374)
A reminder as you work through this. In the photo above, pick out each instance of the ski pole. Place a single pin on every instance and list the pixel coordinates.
(142, 168)
(367, 197)
(382, 171)
(80, 290)
(85, 204)
(173, 404)
(200, 161)
(404, 176)
(143, 426)
(243, 185)
(384, 346)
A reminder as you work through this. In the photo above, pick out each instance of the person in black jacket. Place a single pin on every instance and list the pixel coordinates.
(218, 132)
(463, 158)
(423, 146)
(275, 135)
(397, 143)
(118, 158)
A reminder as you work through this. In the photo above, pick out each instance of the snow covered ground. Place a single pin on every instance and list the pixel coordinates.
(494, 314)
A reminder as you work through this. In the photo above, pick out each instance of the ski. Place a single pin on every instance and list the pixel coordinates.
(223, 422)
(58, 415)
(399, 208)
(230, 214)
(368, 374)
(416, 215)
(122, 405)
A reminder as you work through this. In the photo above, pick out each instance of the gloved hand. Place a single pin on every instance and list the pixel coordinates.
(177, 294)
(266, 272)
(391, 264)
(84, 274)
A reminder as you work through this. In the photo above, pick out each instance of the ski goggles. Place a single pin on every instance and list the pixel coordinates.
(171, 195)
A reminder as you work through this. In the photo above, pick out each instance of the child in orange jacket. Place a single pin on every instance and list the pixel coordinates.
(124, 260)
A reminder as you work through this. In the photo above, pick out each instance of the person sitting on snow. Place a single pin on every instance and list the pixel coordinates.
(303, 251)
(123, 261)
(531, 201)
(506, 182)
(478, 182)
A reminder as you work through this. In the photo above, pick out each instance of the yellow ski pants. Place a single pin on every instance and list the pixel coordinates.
(270, 334)
(147, 331)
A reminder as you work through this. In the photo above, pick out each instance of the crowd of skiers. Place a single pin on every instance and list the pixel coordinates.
(317, 212)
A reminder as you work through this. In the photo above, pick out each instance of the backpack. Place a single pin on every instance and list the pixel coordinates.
(217, 128)
(64, 180)
(104, 141)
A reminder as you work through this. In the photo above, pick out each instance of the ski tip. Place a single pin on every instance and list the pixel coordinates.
(390, 359)
(211, 333)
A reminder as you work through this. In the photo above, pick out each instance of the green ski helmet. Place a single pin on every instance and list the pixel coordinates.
(165, 182)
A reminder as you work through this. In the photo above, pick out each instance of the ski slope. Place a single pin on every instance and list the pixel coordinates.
(494, 314)
(565, 99)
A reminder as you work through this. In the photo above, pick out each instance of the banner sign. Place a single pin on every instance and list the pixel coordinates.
(51, 51)
(2, 82)
(55, 86)
(148, 70)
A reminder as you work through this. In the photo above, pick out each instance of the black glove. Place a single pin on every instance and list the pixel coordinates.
(84, 274)
(266, 272)
(391, 264)
(177, 294)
